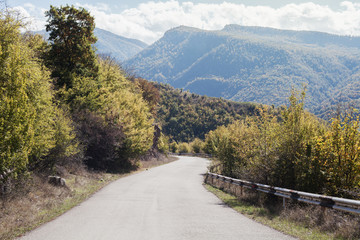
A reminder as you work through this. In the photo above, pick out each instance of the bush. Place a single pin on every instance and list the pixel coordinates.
(163, 144)
(297, 151)
(184, 148)
(196, 145)
(174, 147)
(103, 142)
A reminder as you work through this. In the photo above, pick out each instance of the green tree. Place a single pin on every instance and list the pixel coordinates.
(173, 147)
(196, 145)
(163, 144)
(299, 131)
(28, 114)
(115, 121)
(17, 115)
(149, 93)
(184, 147)
(218, 142)
(71, 36)
(338, 153)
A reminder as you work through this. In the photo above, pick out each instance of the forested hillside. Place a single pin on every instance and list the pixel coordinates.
(110, 44)
(251, 64)
(185, 116)
(116, 46)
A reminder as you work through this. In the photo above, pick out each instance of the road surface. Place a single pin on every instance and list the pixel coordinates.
(166, 202)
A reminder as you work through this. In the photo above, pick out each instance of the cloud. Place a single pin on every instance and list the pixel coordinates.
(150, 20)
(32, 15)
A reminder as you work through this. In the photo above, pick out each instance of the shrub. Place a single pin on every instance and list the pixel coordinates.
(163, 144)
(196, 145)
(184, 148)
(174, 147)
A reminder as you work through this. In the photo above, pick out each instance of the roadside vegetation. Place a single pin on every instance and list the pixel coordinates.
(295, 150)
(285, 146)
(303, 222)
(61, 105)
(67, 112)
(35, 202)
(292, 148)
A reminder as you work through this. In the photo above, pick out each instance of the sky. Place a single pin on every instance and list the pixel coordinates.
(149, 20)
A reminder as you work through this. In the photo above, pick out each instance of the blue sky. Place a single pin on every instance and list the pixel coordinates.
(148, 20)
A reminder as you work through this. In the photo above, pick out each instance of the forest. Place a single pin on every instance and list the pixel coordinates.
(185, 116)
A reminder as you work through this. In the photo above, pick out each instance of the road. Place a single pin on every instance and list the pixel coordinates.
(166, 202)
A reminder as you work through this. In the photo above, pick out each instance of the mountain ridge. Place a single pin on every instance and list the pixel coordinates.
(108, 43)
(117, 46)
(261, 66)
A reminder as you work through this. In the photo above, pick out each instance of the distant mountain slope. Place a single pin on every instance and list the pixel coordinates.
(108, 43)
(253, 64)
(118, 47)
(304, 37)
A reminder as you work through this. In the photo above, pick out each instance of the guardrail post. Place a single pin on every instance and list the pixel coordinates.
(294, 195)
(325, 203)
(221, 183)
(236, 190)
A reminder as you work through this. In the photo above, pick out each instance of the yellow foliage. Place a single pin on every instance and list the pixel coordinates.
(118, 101)
(28, 115)
(299, 151)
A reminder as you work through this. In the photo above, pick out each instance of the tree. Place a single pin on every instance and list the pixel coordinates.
(28, 114)
(71, 36)
(338, 153)
(300, 130)
(115, 122)
(17, 115)
(149, 93)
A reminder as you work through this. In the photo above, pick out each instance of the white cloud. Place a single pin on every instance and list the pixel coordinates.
(33, 16)
(150, 20)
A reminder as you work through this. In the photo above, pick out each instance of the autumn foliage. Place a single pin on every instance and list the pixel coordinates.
(61, 104)
(295, 150)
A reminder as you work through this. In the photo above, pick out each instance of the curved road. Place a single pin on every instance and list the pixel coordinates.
(167, 202)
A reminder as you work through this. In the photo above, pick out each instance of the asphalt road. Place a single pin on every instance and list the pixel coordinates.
(167, 202)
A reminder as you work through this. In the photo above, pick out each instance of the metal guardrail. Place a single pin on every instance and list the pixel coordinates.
(342, 204)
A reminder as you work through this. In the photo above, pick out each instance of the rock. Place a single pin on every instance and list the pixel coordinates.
(57, 181)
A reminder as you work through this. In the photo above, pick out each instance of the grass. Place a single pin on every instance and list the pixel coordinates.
(43, 202)
(273, 219)
(35, 202)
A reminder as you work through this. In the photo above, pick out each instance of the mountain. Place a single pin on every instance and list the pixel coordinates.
(254, 64)
(108, 43)
(118, 47)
